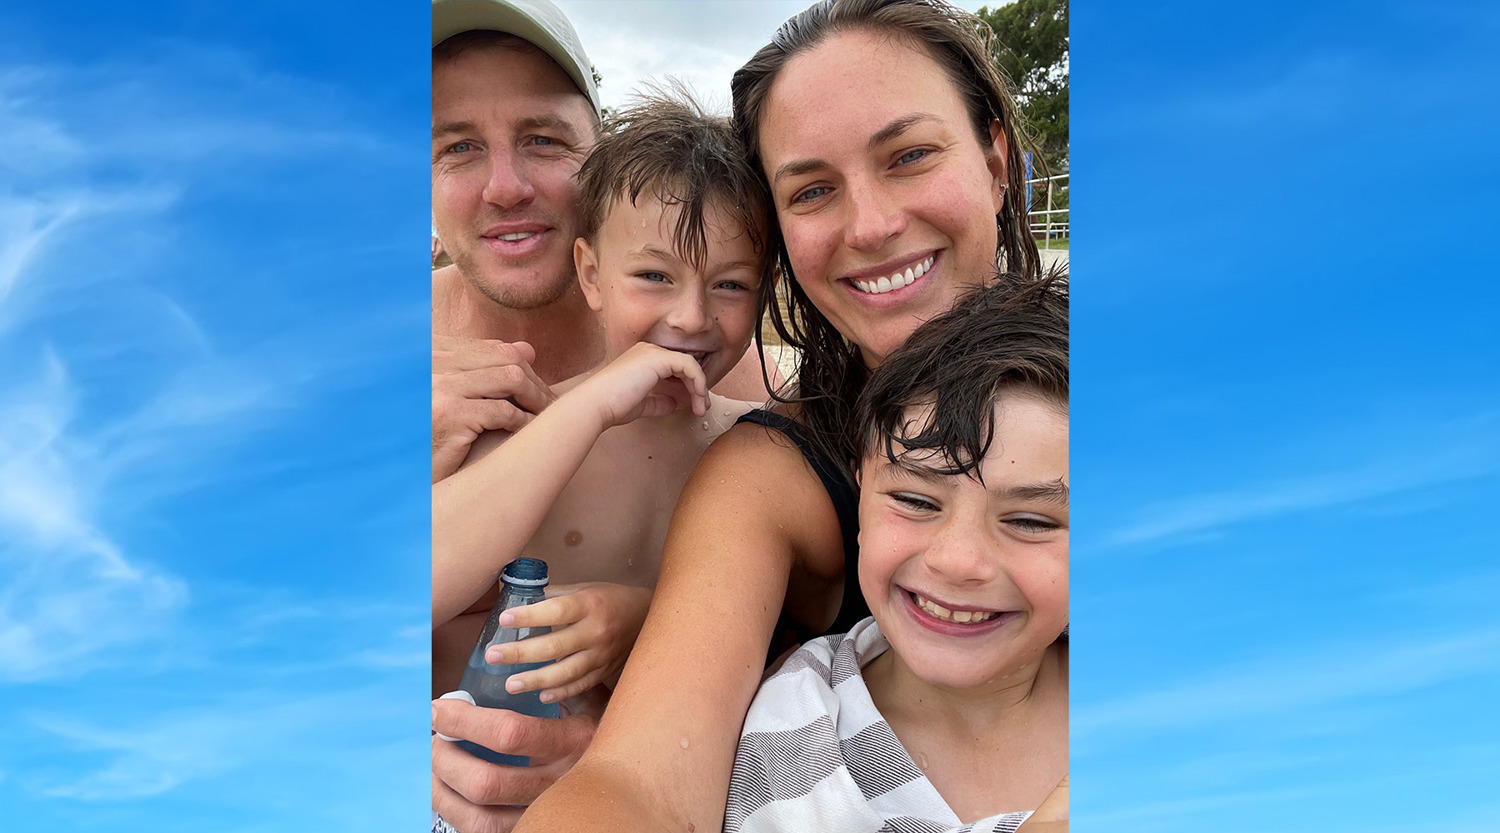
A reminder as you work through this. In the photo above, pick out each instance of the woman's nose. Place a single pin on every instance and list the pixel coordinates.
(874, 218)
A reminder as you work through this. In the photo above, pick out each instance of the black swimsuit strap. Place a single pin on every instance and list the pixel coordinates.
(845, 507)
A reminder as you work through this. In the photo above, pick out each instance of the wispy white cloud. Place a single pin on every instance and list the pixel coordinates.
(1460, 451)
(101, 412)
(1325, 675)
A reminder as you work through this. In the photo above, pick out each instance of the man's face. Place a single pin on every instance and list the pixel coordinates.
(509, 132)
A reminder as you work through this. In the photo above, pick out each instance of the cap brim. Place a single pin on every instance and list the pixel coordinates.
(453, 17)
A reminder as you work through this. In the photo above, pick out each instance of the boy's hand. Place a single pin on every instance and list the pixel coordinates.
(479, 385)
(1052, 816)
(477, 796)
(630, 387)
(595, 626)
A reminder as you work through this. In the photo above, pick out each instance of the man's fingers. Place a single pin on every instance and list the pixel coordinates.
(466, 816)
(517, 382)
(452, 354)
(541, 738)
(478, 781)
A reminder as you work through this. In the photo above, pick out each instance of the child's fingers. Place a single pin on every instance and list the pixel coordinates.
(544, 648)
(549, 613)
(578, 686)
(556, 675)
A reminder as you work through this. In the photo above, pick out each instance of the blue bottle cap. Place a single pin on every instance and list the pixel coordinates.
(525, 572)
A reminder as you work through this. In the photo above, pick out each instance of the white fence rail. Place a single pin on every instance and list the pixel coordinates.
(1048, 224)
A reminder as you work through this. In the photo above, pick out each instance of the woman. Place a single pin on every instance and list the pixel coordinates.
(889, 143)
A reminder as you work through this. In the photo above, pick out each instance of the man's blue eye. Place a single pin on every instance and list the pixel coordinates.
(460, 147)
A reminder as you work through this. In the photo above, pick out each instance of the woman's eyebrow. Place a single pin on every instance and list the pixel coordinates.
(804, 166)
(896, 128)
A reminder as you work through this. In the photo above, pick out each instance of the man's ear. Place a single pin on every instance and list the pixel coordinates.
(996, 157)
(586, 264)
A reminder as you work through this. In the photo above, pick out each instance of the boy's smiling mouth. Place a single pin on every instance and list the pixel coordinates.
(943, 614)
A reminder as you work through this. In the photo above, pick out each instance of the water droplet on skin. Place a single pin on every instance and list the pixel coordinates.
(683, 743)
(705, 425)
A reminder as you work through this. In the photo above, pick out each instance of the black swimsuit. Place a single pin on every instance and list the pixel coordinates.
(846, 507)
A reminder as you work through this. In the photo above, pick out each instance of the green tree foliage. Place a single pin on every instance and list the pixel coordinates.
(1031, 48)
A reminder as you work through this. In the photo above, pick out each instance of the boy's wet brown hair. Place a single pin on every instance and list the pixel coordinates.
(1010, 336)
(668, 148)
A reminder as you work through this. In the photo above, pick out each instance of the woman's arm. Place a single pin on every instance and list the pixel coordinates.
(750, 512)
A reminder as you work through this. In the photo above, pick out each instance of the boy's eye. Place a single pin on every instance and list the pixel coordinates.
(732, 285)
(914, 502)
(1033, 524)
(652, 277)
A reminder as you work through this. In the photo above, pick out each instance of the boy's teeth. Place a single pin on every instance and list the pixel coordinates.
(522, 235)
(962, 617)
(896, 281)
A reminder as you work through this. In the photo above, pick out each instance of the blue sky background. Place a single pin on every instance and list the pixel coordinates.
(213, 503)
(213, 427)
(1286, 430)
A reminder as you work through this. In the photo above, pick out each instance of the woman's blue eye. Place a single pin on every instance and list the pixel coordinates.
(911, 156)
(811, 194)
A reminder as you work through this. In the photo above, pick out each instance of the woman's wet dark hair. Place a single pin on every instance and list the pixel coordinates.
(832, 370)
(1010, 337)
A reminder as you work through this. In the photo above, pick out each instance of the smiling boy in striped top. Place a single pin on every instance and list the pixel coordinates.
(948, 709)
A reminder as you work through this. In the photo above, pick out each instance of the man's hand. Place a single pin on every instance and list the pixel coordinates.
(476, 796)
(1052, 816)
(479, 385)
(594, 627)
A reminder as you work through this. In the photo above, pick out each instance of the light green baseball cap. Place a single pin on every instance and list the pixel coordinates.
(537, 21)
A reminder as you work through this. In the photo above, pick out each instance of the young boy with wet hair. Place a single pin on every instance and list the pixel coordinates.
(947, 710)
(677, 232)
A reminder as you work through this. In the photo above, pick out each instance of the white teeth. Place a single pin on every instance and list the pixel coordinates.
(962, 617)
(511, 238)
(896, 281)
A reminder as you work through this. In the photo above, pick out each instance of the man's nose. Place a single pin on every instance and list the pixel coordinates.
(509, 184)
(873, 217)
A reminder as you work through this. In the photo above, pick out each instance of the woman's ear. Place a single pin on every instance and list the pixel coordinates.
(587, 265)
(996, 156)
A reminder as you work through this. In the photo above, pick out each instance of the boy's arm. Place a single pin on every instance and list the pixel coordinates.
(483, 515)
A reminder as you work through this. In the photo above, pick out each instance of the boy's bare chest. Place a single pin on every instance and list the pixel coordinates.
(610, 522)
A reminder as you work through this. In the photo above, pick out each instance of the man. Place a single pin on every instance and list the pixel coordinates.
(515, 110)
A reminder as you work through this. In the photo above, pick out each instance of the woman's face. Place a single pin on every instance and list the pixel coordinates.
(886, 198)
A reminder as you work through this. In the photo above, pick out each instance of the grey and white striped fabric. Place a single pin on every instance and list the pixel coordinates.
(815, 754)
